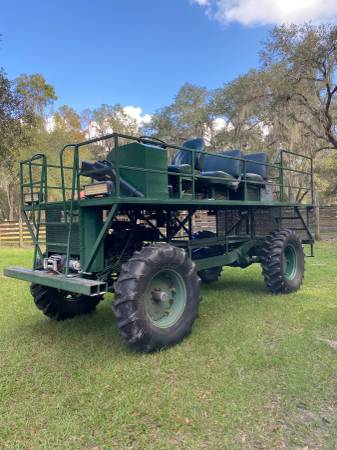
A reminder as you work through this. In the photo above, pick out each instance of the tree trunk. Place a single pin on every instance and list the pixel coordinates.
(11, 204)
(317, 217)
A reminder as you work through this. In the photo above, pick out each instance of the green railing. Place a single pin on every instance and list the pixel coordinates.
(278, 166)
(34, 180)
(35, 198)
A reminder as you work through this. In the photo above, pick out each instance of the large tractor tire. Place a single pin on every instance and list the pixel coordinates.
(213, 273)
(282, 260)
(157, 297)
(60, 305)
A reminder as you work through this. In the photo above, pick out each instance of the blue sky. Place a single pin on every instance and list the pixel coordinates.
(135, 52)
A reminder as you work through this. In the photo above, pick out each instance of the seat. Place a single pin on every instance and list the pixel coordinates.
(104, 171)
(182, 159)
(99, 170)
(221, 169)
(255, 167)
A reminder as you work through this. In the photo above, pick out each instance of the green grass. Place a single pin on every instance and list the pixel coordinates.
(255, 372)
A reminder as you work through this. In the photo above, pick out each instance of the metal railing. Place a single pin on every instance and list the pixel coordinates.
(34, 179)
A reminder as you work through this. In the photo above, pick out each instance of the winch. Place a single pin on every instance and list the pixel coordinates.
(57, 263)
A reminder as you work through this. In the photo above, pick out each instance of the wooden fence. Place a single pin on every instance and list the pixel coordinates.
(17, 234)
(328, 222)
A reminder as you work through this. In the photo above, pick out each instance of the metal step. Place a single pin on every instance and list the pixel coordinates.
(59, 281)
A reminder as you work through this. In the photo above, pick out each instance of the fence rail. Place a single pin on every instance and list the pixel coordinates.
(328, 221)
(17, 233)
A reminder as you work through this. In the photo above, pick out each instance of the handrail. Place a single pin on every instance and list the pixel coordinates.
(193, 175)
(40, 161)
(42, 195)
(276, 164)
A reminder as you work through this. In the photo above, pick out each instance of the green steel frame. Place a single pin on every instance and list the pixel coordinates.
(34, 180)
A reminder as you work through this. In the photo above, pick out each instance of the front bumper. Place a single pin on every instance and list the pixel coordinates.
(76, 284)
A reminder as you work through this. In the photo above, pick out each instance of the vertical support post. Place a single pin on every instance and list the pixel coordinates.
(20, 232)
(252, 223)
(71, 212)
(312, 181)
(190, 224)
(45, 180)
(63, 180)
(31, 187)
(38, 224)
(245, 181)
(21, 184)
(281, 177)
(99, 241)
(118, 177)
(193, 174)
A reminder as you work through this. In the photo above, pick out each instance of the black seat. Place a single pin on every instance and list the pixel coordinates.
(255, 167)
(221, 169)
(104, 171)
(99, 170)
(182, 159)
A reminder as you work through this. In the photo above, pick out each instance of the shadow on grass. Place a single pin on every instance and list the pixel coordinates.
(95, 330)
(237, 285)
(98, 330)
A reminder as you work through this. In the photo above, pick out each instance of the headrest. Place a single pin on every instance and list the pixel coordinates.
(185, 157)
(222, 162)
(256, 163)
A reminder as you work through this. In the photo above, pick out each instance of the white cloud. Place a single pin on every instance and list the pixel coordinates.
(219, 124)
(136, 114)
(94, 129)
(132, 112)
(50, 124)
(216, 126)
(263, 12)
(201, 2)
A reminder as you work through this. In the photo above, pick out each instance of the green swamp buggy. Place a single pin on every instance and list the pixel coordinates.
(151, 220)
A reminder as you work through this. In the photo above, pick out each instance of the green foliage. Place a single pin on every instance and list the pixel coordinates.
(326, 177)
(308, 57)
(239, 103)
(37, 93)
(68, 119)
(16, 122)
(188, 116)
(105, 120)
(66, 129)
(13, 118)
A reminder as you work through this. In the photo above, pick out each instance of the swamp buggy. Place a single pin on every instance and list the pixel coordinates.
(130, 224)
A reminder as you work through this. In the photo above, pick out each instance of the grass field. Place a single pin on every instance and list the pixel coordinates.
(259, 371)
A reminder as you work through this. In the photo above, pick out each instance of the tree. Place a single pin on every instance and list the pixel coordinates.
(307, 55)
(15, 123)
(67, 118)
(105, 120)
(22, 110)
(239, 104)
(188, 116)
(37, 93)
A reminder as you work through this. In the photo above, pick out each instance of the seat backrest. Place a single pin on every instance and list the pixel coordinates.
(98, 170)
(213, 163)
(252, 166)
(185, 157)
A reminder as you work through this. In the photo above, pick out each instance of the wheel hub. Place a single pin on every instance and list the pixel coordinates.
(165, 298)
(158, 295)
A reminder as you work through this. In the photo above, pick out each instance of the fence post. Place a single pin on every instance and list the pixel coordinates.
(20, 232)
